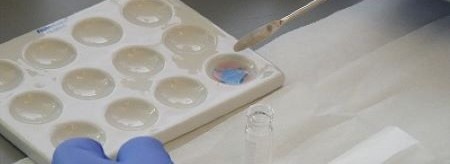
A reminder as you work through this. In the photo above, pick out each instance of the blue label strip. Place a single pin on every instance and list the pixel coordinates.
(52, 27)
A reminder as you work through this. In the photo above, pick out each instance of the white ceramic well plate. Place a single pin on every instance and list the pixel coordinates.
(120, 69)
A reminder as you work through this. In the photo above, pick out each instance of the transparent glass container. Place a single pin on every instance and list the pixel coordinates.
(259, 135)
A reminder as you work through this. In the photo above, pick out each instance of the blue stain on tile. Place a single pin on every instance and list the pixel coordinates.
(232, 76)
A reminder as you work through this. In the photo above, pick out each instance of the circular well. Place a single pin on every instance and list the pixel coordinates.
(138, 61)
(180, 92)
(50, 53)
(76, 129)
(186, 39)
(97, 32)
(88, 84)
(231, 69)
(148, 13)
(10, 76)
(36, 107)
(131, 114)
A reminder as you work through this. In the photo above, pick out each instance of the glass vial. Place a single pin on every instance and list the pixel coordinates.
(259, 135)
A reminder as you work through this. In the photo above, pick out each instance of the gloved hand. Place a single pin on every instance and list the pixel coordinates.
(140, 150)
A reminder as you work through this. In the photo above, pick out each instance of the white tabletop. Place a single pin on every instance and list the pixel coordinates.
(369, 84)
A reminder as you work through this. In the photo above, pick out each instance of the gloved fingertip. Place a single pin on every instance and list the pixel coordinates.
(80, 142)
(143, 149)
(77, 150)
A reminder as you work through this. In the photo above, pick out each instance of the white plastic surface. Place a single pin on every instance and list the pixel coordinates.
(378, 148)
(120, 69)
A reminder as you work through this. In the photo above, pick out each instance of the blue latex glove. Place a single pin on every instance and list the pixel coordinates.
(140, 150)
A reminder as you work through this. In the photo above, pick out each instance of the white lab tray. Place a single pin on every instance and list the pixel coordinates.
(122, 69)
